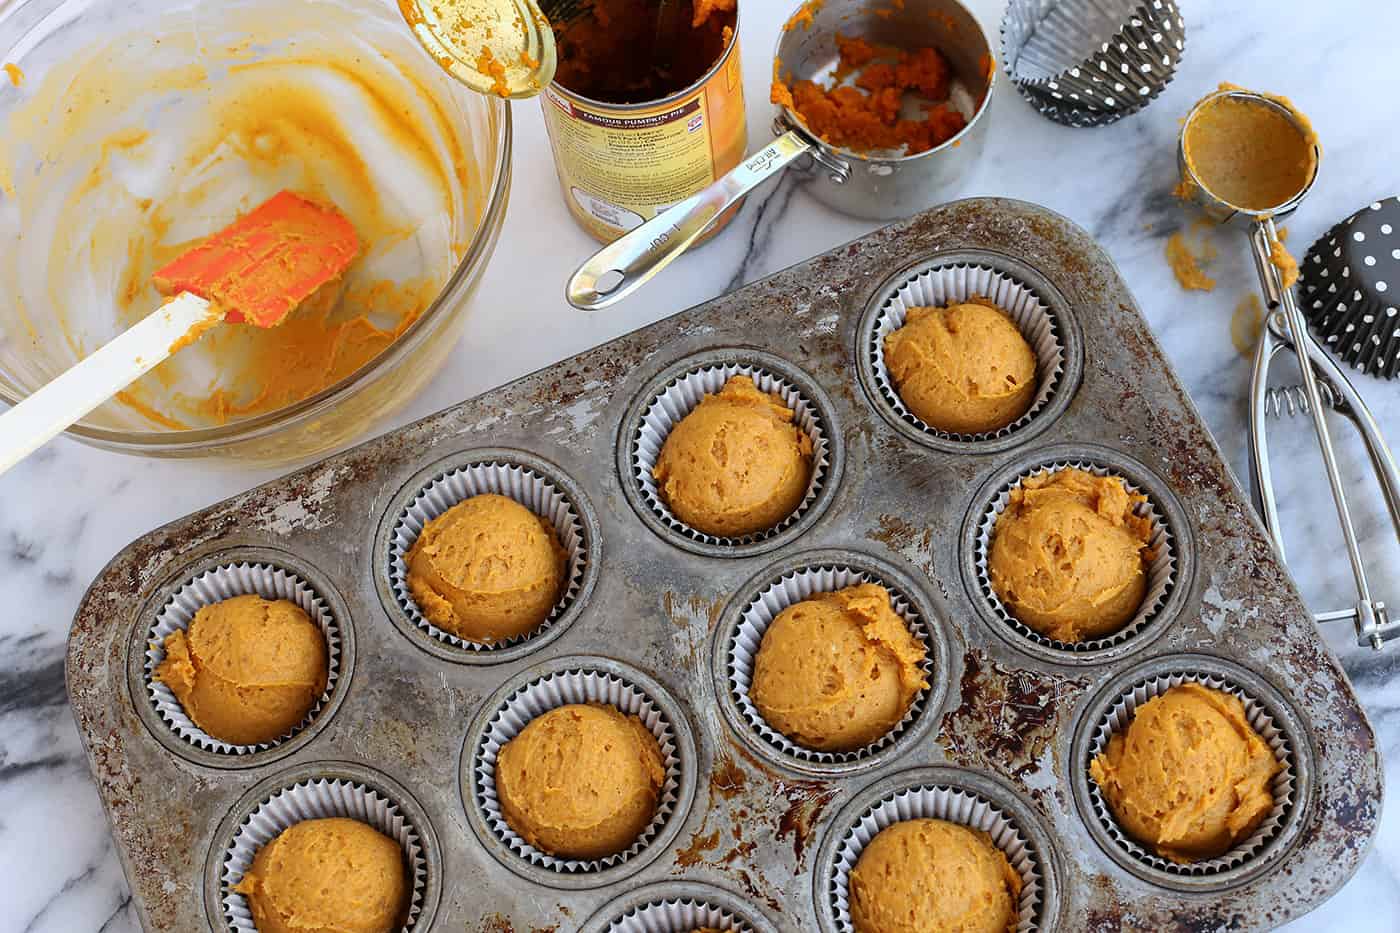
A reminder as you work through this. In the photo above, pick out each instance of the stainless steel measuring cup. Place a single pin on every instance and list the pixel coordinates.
(874, 186)
(1286, 327)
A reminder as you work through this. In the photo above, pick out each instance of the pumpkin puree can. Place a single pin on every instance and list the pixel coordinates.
(622, 164)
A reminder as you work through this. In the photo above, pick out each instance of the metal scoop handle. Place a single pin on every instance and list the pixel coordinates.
(1287, 327)
(622, 267)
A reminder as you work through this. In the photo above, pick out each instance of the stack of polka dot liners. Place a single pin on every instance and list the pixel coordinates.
(1349, 289)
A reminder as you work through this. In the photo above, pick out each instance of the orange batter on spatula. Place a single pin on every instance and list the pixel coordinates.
(266, 264)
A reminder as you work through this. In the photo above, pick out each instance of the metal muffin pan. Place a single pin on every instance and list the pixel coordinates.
(1010, 719)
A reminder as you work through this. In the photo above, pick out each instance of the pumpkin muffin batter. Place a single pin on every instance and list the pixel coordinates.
(581, 781)
(839, 670)
(1248, 153)
(247, 670)
(1069, 555)
(932, 876)
(327, 875)
(964, 368)
(1189, 778)
(735, 465)
(488, 569)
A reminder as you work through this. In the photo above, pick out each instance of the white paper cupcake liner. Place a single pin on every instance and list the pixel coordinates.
(541, 696)
(759, 614)
(216, 585)
(1161, 570)
(678, 916)
(526, 486)
(944, 285)
(1120, 715)
(680, 398)
(938, 802)
(310, 800)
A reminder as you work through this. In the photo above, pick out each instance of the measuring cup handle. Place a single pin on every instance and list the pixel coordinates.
(622, 267)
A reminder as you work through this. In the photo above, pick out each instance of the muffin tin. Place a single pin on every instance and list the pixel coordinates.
(752, 832)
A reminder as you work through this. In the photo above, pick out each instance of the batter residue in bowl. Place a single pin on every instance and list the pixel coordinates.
(124, 154)
(1255, 155)
(870, 113)
(607, 51)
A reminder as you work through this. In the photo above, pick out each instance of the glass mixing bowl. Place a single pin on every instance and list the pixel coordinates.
(130, 85)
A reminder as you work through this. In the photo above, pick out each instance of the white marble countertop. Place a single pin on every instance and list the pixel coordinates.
(67, 510)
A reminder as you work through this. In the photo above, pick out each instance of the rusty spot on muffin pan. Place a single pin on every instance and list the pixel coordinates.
(1007, 717)
(1013, 715)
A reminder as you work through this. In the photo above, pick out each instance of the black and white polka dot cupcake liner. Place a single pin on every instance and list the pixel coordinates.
(1030, 302)
(955, 796)
(678, 907)
(676, 393)
(1267, 713)
(214, 585)
(562, 682)
(1170, 565)
(1349, 287)
(1085, 64)
(531, 481)
(786, 584)
(281, 803)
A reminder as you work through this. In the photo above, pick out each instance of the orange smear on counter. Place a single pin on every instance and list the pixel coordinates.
(1186, 258)
(14, 73)
(260, 268)
(866, 116)
(486, 64)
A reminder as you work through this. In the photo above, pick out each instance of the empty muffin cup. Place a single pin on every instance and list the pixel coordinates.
(677, 392)
(375, 801)
(565, 681)
(1168, 555)
(949, 794)
(541, 488)
(216, 584)
(797, 579)
(678, 907)
(1267, 714)
(1040, 314)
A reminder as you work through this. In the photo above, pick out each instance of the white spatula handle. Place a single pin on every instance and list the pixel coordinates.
(37, 419)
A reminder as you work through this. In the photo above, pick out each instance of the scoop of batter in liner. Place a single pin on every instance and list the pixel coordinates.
(964, 368)
(736, 464)
(1189, 778)
(933, 876)
(1069, 555)
(839, 670)
(488, 569)
(248, 669)
(325, 875)
(581, 781)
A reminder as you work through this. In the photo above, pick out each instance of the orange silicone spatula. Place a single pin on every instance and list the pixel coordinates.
(256, 271)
